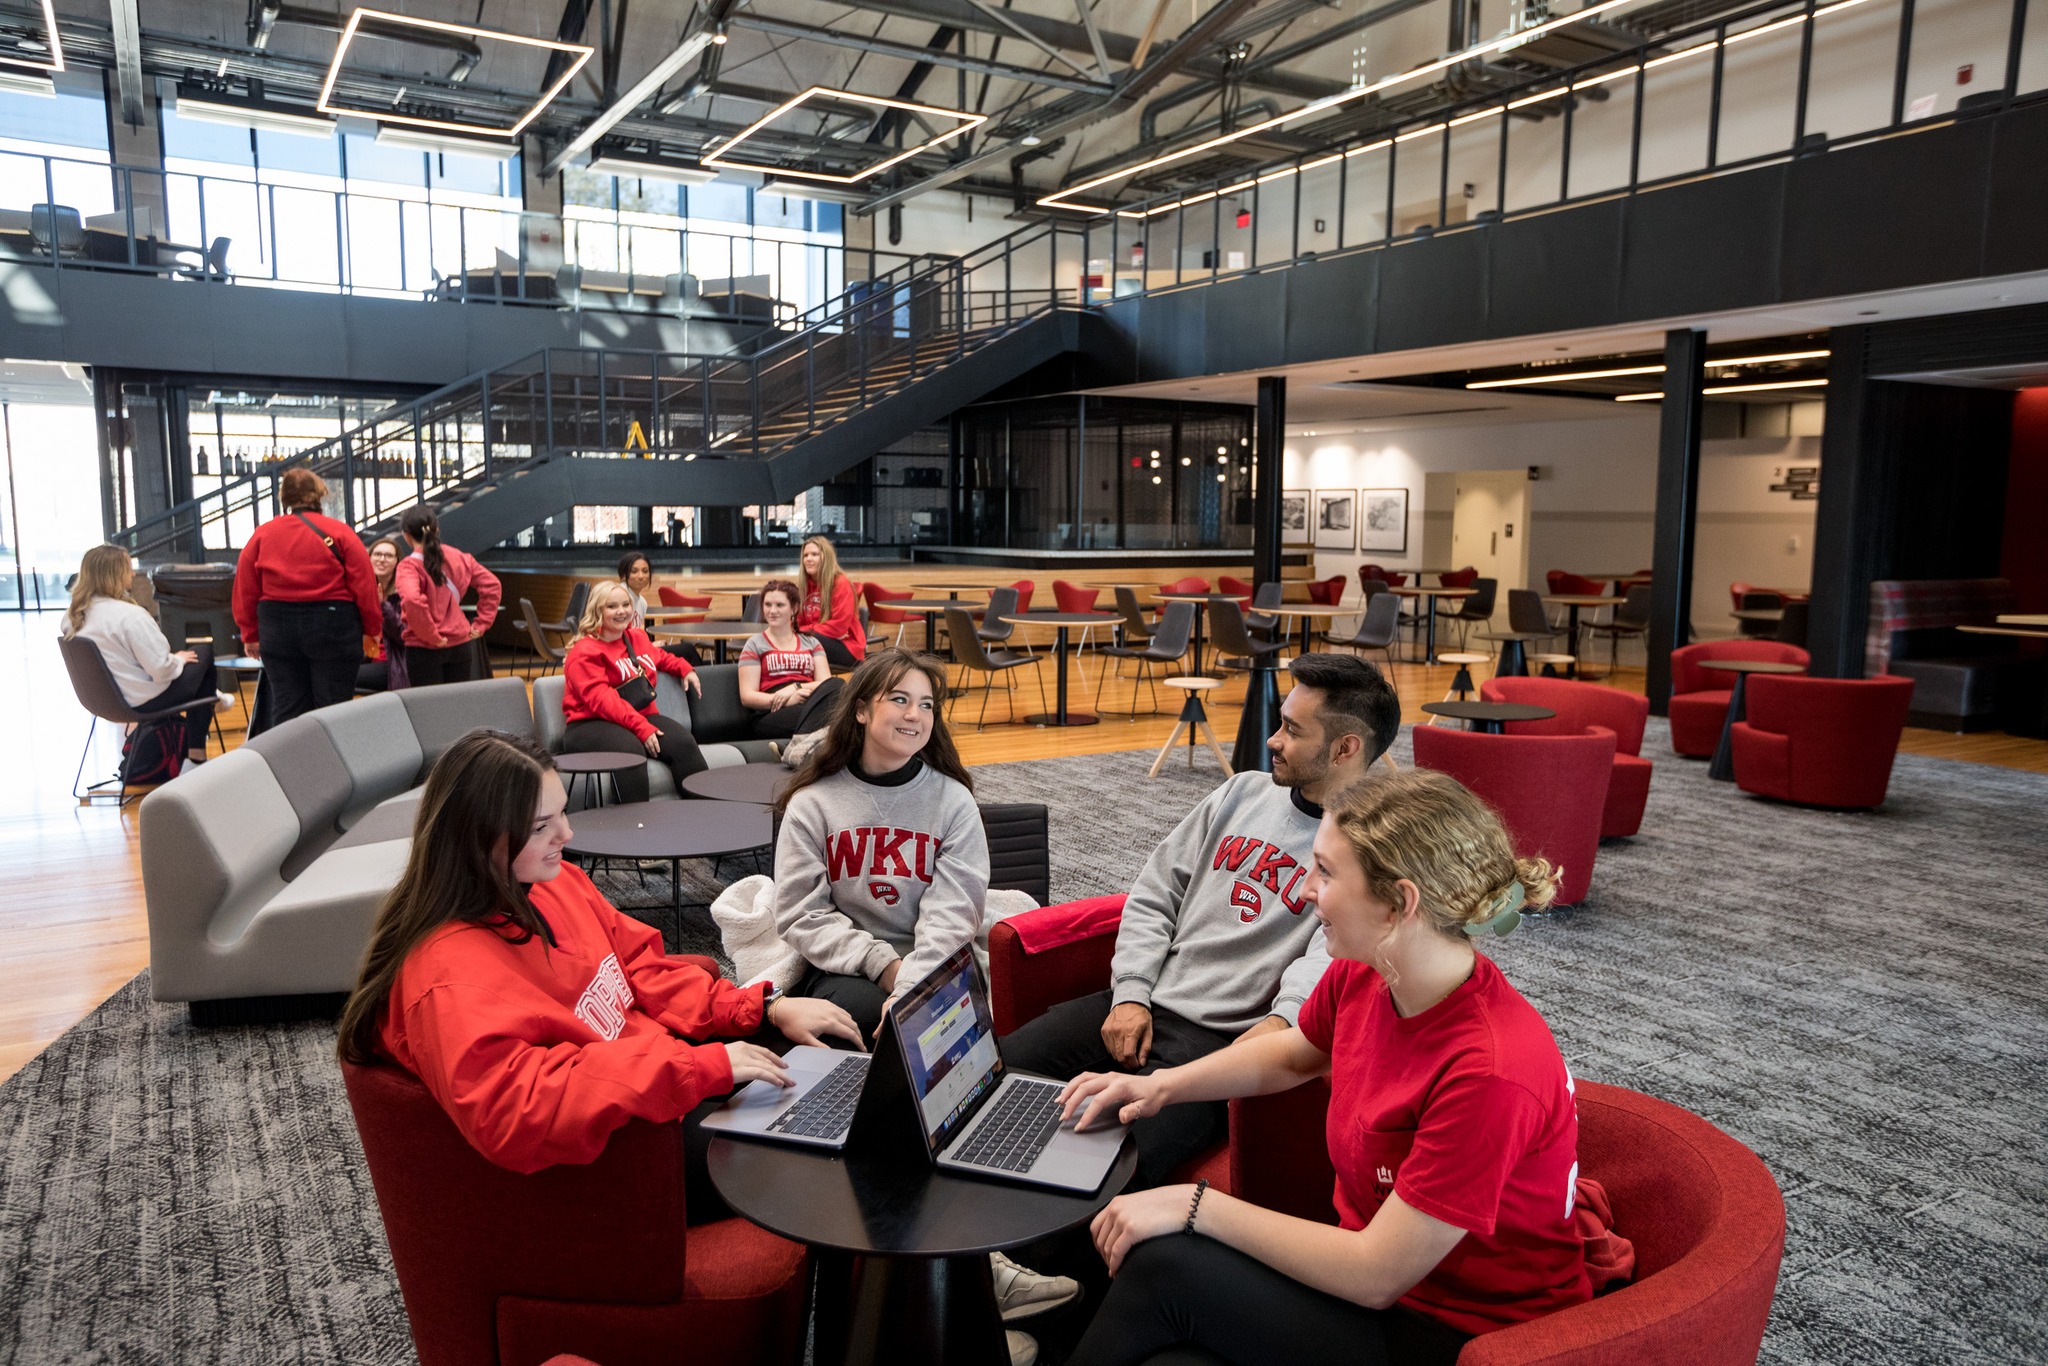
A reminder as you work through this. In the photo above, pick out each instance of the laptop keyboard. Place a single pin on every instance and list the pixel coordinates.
(827, 1108)
(1016, 1128)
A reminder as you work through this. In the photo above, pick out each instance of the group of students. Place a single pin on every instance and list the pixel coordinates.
(1317, 921)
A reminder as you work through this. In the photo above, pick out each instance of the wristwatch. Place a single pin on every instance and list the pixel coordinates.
(769, 996)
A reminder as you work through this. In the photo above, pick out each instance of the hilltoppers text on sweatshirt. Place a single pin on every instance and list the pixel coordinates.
(1216, 929)
(869, 870)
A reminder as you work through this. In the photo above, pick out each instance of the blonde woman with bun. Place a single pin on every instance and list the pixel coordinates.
(1452, 1124)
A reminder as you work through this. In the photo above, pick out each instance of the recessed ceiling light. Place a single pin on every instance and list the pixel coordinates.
(1155, 478)
(1187, 460)
(1031, 139)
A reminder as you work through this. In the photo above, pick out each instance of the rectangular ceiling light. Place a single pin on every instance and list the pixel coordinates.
(250, 114)
(496, 149)
(641, 166)
(385, 21)
(1732, 389)
(55, 60)
(823, 194)
(27, 83)
(719, 157)
(1728, 364)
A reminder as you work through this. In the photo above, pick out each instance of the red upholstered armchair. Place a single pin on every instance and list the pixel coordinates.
(1373, 571)
(1821, 741)
(1236, 588)
(1326, 592)
(1550, 790)
(1579, 705)
(1190, 584)
(1024, 589)
(500, 1269)
(1700, 697)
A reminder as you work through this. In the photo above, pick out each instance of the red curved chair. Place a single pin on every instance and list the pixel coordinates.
(879, 615)
(1550, 790)
(1023, 587)
(1190, 584)
(1700, 697)
(1236, 588)
(1820, 741)
(501, 1269)
(1373, 571)
(1327, 592)
(1072, 597)
(1574, 585)
(1459, 578)
(672, 598)
(1579, 705)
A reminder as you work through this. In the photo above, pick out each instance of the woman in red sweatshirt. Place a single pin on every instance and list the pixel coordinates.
(609, 701)
(830, 609)
(540, 1017)
(440, 641)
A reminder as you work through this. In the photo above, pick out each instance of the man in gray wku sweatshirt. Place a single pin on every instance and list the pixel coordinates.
(1217, 942)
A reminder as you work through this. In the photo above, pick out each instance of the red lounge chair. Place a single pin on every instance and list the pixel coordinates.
(1579, 705)
(1821, 741)
(1550, 790)
(1700, 697)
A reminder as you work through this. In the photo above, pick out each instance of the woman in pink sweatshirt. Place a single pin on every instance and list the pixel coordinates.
(441, 644)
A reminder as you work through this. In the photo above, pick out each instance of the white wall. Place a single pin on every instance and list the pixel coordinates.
(1747, 532)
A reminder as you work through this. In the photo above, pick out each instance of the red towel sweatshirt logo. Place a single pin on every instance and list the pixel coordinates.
(604, 1003)
(881, 851)
(1259, 864)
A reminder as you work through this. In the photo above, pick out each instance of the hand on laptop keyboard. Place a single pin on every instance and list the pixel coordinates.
(751, 1062)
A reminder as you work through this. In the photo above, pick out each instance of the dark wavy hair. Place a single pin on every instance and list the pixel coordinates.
(419, 523)
(787, 589)
(475, 815)
(845, 735)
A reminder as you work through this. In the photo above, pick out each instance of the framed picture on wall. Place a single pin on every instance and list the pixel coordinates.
(1336, 519)
(1294, 517)
(1383, 521)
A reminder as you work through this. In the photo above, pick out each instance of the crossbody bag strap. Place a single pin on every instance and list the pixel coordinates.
(325, 539)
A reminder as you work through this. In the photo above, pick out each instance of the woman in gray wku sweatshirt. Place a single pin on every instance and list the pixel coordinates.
(881, 868)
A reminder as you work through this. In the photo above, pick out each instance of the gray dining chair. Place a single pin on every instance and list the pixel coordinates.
(971, 656)
(1260, 620)
(546, 654)
(1168, 642)
(1233, 642)
(1631, 618)
(93, 683)
(1378, 629)
(1002, 602)
(1477, 609)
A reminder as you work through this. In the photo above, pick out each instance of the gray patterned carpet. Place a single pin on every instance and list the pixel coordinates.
(1860, 998)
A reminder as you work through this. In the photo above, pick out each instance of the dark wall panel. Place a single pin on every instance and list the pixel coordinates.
(1547, 280)
(2014, 240)
(1704, 245)
(1433, 292)
(1318, 331)
(1247, 321)
(1171, 334)
(1888, 215)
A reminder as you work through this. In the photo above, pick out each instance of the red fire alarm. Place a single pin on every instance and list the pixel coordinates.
(1965, 72)
(1244, 218)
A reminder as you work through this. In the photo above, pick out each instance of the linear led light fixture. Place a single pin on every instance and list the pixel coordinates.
(26, 83)
(824, 194)
(579, 54)
(55, 61)
(251, 114)
(1728, 364)
(1731, 389)
(645, 166)
(420, 139)
(1061, 199)
(717, 157)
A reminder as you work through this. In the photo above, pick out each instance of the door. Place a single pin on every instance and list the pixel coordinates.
(1490, 528)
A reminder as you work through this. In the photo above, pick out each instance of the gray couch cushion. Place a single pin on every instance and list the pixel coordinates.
(388, 820)
(719, 716)
(445, 713)
(310, 937)
(303, 759)
(374, 738)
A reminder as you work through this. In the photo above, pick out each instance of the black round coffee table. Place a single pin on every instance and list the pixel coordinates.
(761, 783)
(672, 831)
(902, 1248)
(1722, 769)
(595, 767)
(1489, 717)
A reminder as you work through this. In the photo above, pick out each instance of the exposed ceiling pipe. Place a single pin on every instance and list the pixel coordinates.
(882, 47)
(1264, 108)
(467, 54)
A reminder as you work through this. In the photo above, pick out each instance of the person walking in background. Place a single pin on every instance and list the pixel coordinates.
(608, 698)
(830, 609)
(306, 604)
(785, 680)
(386, 673)
(441, 643)
(148, 672)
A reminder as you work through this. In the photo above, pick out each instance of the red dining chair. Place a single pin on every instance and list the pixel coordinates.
(1459, 578)
(1023, 587)
(1578, 706)
(1373, 571)
(1550, 790)
(1327, 592)
(879, 615)
(1700, 697)
(1236, 588)
(1820, 741)
(1072, 597)
(1190, 584)
(671, 598)
(1564, 583)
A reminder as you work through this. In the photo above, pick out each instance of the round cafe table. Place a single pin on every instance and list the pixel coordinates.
(1572, 602)
(1723, 767)
(719, 633)
(930, 608)
(1059, 715)
(1489, 717)
(596, 767)
(759, 783)
(672, 831)
(951, 590)
(1309, 613)
(1429, 608)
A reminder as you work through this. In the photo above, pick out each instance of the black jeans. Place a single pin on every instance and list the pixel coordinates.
(1177, 1292)
(311, 651)
(1067, 1041)
(678, 749)
(195, 680)
(836, 653)
(858, 996)
(799, 718)
(426, 665)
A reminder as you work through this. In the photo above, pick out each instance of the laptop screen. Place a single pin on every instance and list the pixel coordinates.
(949, 1040)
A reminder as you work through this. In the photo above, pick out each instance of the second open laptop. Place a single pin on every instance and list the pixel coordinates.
(817, 1112)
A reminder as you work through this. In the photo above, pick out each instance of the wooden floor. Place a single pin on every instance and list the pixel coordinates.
(73, 929)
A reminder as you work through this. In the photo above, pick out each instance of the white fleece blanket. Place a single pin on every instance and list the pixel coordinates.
(745, 914)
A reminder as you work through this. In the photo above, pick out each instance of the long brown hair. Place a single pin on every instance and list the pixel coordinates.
(828, 574)
(418, 524)
(845, 735)
(103, 572)
(386, 588)
(474, 817)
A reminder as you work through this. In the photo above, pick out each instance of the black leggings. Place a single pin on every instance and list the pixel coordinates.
(1176, 1292)
(195, 680)
(678, 750)
(1067, 1041)
(799, 717)
(426, 665)
(836, 653)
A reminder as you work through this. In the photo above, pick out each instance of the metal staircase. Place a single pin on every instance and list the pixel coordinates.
(502, 450)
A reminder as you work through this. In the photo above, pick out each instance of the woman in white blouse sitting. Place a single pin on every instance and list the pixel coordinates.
(148, 672)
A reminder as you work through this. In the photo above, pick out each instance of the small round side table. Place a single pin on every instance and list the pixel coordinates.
(595, 768)
(1194, 719)
(1462, 685)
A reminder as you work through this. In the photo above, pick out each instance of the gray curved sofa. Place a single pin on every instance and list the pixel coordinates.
(718, 720)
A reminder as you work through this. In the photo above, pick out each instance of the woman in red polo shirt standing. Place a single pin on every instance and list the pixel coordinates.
(305, 601)
(440, 640)
(1452, 1126)
(830, 609)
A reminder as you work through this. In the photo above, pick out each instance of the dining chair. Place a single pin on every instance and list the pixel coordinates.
(547, 655)
(969, 654)
(1166, 646)
(93, 683)
(1377, 629)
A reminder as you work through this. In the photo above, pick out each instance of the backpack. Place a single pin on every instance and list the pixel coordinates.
(153, 753)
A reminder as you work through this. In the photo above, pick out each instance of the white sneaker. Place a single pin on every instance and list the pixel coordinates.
(1022, 1292)
(1023, 1348)
(224, 701)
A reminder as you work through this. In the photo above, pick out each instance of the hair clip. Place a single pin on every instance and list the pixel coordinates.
(1503, 915)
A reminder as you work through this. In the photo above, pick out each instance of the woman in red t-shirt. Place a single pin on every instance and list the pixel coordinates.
(608, 699)
(1452, 1125)
(830, 606)
(784, 677)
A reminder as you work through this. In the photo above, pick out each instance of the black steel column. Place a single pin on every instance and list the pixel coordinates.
(1678, 494)
(1262, 694)
(1851, 533)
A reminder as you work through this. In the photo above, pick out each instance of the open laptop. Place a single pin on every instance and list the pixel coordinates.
(976, 1117)
(817, 1112)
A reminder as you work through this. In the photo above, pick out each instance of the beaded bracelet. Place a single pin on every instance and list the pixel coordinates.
(1194, 1204)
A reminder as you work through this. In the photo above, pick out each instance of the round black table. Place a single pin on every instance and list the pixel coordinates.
(901, 1248)
(1514, 662)
(759, 783)
(1722, 769)
(1488, 717)
(672, 831)
(595, 767)
(719, 633)
(1059, 715)
(931, 608)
